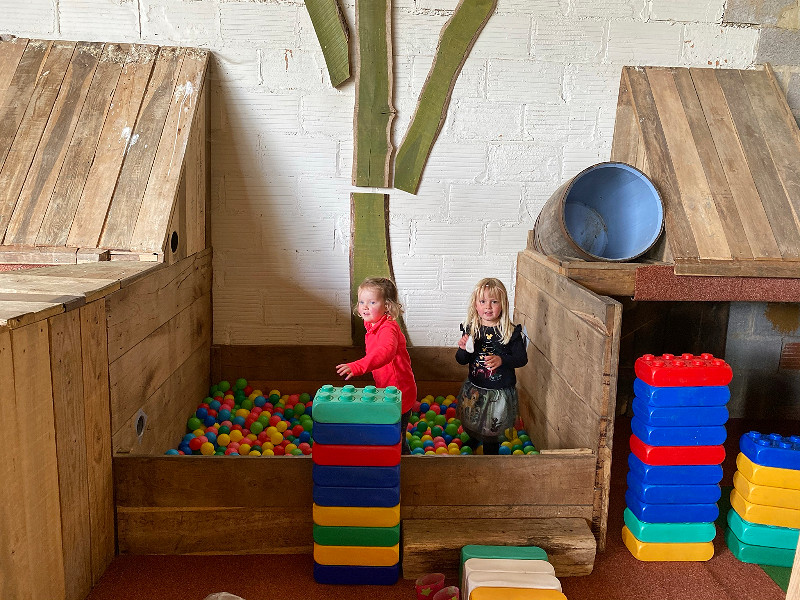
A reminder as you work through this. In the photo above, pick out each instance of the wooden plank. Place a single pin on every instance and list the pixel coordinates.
(26, 141)
(115, 140)
(20, 282)
(141, 153)
(625, 142)
(195, 174)
(97, 413)
(434, 545)
(17, 314)
(331, 29)
(29, 211)
(694, 190)
(126, 273)
(793, 591)
(150, 228)
(10, 56)
(458, 36)
(374, 110)
(160, 422)
(19, 91)
(139, 309)
(709, 161)
(144, 368)
(734, 164)
(660, 167)
(68, 403)
(274, 530)
(525, 511)
(37, 504)
(761, 268)
(19, 255)
(761, 163)
(67, 192)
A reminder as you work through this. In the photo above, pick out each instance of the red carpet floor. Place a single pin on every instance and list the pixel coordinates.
(616, 576)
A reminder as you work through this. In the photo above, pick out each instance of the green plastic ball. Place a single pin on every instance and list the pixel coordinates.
(256, 427)
(247, 403)
(241, 383)
(194, 423)
(441, 420)
(224, 386)
(430, 416)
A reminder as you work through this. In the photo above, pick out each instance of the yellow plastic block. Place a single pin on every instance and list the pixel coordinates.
(359, 556)
(356, 516)
(772, 476)
(504, 593)
(505, 565)
(539, 581)
(763, 514)
(765, 494)
(652, 551)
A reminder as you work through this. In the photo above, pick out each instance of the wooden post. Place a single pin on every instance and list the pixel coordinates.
(793, 591)
(332, 33)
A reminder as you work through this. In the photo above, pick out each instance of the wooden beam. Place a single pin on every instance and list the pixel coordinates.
(333, 36)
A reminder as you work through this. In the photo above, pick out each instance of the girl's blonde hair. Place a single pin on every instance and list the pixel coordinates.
(495, 289)
(388, 291)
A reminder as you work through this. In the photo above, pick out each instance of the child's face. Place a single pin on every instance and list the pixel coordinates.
(488, 308)
(371, 305)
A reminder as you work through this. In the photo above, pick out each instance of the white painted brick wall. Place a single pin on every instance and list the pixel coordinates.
(534, 105)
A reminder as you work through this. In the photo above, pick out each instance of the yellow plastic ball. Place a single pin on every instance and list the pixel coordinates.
(223, 439)
(256, 393)
(268, 445)
(236, 435)
(207, 449)
(276, 438)
(274, 392)
(426, 438)
(244, 449)
(454, 451)
(506, 444)
(242, 412)
(518, 452)
(290, 447)
(268, 452)
(452, 445)
(254, 453)
(271, 429)
(441, 450)
(281, 426)
(252, 437)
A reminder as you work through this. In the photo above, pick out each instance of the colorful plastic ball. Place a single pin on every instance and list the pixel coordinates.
(207, 449)
(422, 427)
(172, 452)
(440, 420)
(211, 436)
(436, 431)
(424, 408)
(531, 450)
(224, 386)
(236, 435)
(430, 416)
(299, 409)
(256, 427)
(193, 423)
(184, 447)
(244, 449)
(247, 404)
(518, 452)
(209, 421)
(304, 437)
(241, 383)
(238, 421)
(450, 412)
(188, 437)
(418, 450)
(436, 408)
(466, 450)
(197, 442)
(201, 413)
(223, 415)
(223, 439)
(441, 450)
(282, 426)
(504, 450)
(248, 389)
(260, 401)
(454, 451)
(305, 447)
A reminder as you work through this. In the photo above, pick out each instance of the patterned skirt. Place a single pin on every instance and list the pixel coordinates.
(486, 413)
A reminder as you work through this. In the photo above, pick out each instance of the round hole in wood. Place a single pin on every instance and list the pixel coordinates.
(173, 241)
(140, 423)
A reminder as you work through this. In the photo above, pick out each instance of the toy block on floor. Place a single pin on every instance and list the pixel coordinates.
(676, 455)
(756, 534)
(538, 581)
(666, 533)
(356, 456)
(678, 436)
(357, 556)
(668, 370)
(356, 575)
(354, 516)
(356, 496)
(765, 494)
(355, 476)
(357, 434)
(435, 545)
(671, 513)
(502, 593)
(349, 404)
(772, 450)
(645, 551)
(760, 555)
(504, 565)
(356, 536)
(673, 494)
(763, 514)
(681, 396)
(674, 474)
(678, 416)
(761, 475)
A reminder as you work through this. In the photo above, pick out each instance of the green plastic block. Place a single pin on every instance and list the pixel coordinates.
(669, 533)
(759, 555)
(349, 404)
(356, 536)
(514, 552)
(756, 534)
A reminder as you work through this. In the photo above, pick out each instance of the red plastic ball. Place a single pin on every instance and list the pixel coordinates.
(450, 412)
(278, 450)
(274, 420)
(297, 430)
(248, 390)
(436, 408)
(305, 447)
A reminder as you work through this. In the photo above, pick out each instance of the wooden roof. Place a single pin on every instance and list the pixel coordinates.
(722, 147)
(92, 143)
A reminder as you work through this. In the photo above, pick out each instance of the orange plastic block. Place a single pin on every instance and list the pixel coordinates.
(359, 556)
(763, 514)
(772, 476)
(765, 494)
(504, 593)
(651, 551)
(538, 581)
(356, 516)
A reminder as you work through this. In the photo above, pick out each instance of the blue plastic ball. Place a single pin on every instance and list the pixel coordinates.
(188, 438)
(172, 452)
(447, 438)
(224, 415)
(209, 420)
(427, 444)
(211, 437)
(308, 410)
(418, 451)
(304, 437)
(215, 404)
(185, 448)
(260, 401)
(238, 421)
(424, 407)
(201, 413)
(504, 450)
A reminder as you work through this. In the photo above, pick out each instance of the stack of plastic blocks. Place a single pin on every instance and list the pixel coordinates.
(356, 472)
(678, 429)
(507, 573)
(764, 520)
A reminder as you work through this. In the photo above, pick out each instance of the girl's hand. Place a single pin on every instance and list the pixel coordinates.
(344, 371)
(462, 343)
(492, 361)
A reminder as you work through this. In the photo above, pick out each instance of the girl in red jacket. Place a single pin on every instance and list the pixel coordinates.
(387, 356)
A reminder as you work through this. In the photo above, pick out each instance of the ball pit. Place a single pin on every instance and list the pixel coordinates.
(237, 420)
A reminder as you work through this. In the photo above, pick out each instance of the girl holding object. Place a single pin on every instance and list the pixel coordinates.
(493, 347)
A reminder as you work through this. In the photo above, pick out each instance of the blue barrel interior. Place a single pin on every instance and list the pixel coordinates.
(613, 211)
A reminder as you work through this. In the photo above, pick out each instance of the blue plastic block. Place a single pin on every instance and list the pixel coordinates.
(355, 575)
(669, 533)
(373, 477)
(356, 496)
(672, 494)
(771, 450)
(349, 404)
(671, 513)
(363, 434)
(674, 474)
(678, 416)
(762, 535)
(712, 395)
(678, 436)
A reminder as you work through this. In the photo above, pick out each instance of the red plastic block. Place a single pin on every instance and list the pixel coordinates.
(668, 370)
(356, 456)
(673, 455)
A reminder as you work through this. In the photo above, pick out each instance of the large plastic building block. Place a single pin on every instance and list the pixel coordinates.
(503, 593)
(356, 516)
(708, 395)
(512, 552)
(763, 514)
(335, 476)
(669, 533)
(505, 565)
(356, 456)
(761, 475)
(673, 494)
(756, 534)
(772, 450)
(675, 416)
(764, 494)
(349, 404)
(760, 555)
(670, 513)
(675, 474)
(678, 436)
(350, 575)
(676, 455)
(357, 556)
(363, 434)
(669, 370)
(356, 496)
(539, 581)
(646, 551)
(356, 536)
